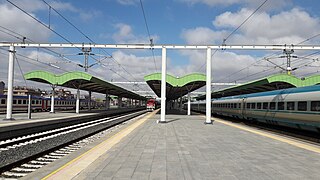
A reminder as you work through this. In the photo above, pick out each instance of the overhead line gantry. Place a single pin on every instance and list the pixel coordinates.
(163, 47)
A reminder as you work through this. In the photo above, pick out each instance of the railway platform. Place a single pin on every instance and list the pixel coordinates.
(186, 148)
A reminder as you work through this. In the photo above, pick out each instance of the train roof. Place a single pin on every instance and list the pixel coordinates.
(22, 97)
(276, 92)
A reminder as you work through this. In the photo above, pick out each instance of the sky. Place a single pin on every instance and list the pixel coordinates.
(200, 22)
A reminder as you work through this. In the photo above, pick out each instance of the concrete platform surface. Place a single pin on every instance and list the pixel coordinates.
(185, 148)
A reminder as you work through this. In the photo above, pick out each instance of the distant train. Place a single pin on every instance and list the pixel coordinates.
(20, 103)
(152, 104)
(295, 107)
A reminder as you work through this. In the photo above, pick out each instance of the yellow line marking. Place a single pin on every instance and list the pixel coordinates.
(265, 134)
(78, 164)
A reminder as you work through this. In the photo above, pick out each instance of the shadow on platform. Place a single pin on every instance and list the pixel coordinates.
(175, 112)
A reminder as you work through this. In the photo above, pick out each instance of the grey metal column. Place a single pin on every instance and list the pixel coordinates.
(208, 88)
(52, 99)
(29, 106)
(10, 83)
(78, 102)
(180, 103)
(189, 104)
(163, 85)
(119, 101)
(107, 102)
(89, 105)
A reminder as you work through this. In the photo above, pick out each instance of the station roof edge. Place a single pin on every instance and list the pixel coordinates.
(81, 80)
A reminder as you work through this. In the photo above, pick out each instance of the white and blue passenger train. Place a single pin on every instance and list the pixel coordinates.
(294, 107)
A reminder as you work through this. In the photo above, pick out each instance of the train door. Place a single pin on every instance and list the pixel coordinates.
(243, 108)
(43, 105)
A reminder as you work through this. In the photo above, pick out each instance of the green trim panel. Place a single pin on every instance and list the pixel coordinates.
(60, 79)
(177, 82)
(289, 79)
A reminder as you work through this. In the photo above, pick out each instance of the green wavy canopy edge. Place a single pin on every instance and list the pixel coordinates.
(60, 79)
(290, 79)
(176, 82)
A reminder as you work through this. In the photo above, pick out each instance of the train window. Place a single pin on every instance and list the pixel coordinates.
(14, 101)
(234, 105)
(3, 101)
(280, 105)
(19, 101)
(272, 105)
(290, 105)
(258, 105)
(24, 102)
(32, 102)
(253, 105)
(265, 105)
(302, 106)
(239, 105)
(315, 105)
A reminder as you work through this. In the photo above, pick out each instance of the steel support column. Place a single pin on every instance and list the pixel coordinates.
(189, 104)
(78, 102)
(89, 104)
(107, 102)
(52, 99)
(163, 85)
(208, 88)
(10, 83)
(119, 101)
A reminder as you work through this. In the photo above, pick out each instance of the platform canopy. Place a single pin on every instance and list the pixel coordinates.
(270, 83)
(176, 86)
(81, 80)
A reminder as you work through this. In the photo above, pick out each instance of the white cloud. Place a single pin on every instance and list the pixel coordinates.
(125, 34)
(266, 28)
(202, 35)
(127, 2)
(17, 21)
(269, 5)
(287, 27)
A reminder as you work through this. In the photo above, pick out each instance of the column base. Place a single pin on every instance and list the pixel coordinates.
(208, 122)
(9, 119)
(161, 122)
(52, 112)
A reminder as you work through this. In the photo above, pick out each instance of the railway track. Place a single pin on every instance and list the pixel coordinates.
(25, 154)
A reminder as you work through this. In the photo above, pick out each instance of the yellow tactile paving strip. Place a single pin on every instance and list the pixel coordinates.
(75, 166)
(302, 145)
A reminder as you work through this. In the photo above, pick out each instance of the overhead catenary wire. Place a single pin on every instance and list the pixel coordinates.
(225, 39)
(22, 74)
(87, 37)
(55, 31)
(147, 27)
(257, 9)
(274, 55)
